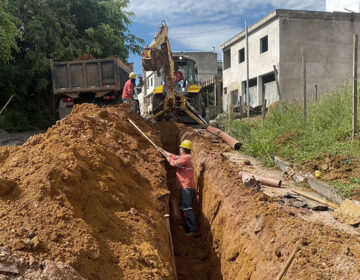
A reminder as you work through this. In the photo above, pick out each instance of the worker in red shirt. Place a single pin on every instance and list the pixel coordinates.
(128, 91)
(178, 76)
(185, 181)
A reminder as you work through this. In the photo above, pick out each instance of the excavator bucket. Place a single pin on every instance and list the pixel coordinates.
(152, 59)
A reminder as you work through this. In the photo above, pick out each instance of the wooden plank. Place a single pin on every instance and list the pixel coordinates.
(288, 263)
(329, 204)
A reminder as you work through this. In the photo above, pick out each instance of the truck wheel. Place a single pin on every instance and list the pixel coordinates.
(64, 110)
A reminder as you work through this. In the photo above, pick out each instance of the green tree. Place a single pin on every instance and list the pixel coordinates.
(59, 30)
(8, 35)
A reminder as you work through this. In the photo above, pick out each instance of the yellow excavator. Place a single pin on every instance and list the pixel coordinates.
(180, 99)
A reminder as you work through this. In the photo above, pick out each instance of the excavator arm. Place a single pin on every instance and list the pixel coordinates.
(158, 57)
(155, 59)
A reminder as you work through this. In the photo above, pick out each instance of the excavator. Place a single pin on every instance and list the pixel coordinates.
(183, 99)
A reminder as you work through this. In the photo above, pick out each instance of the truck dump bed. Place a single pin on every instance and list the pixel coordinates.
(97, 76)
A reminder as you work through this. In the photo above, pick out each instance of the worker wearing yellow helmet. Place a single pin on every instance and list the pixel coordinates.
(129, 89)
(185, 181)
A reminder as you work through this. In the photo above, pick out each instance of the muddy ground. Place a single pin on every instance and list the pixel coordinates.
(89, 196)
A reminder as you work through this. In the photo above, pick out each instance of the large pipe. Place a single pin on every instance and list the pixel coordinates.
(268, 181)
(235, 144)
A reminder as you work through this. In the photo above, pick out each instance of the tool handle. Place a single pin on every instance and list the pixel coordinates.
(143, 134)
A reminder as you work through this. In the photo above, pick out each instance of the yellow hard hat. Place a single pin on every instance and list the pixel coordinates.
(132, 75)
(186, 144)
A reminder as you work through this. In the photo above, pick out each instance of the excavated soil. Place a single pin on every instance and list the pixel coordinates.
(340, 168)
(253, 236)
(90, 195)
(87, 193)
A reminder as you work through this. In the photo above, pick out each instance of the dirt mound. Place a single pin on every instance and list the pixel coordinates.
(82, 194)
(342, 169)
(84, 56)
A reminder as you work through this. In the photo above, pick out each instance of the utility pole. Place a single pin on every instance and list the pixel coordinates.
(355, 90)
(247, 70)
(276, 73)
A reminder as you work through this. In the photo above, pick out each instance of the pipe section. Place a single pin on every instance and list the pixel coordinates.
(235, 144)
(268, 181)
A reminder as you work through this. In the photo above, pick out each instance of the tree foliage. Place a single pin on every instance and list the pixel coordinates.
(59, 30)
(8, 35)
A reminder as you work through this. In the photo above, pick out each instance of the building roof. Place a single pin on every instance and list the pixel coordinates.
(292, 14)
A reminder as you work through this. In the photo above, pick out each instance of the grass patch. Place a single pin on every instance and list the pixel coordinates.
(327, 130)
(344, 189)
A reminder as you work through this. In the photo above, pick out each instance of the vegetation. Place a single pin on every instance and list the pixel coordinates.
(326, 132)
(59, 30)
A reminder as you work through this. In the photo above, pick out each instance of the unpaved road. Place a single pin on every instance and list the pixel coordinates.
(17, 138)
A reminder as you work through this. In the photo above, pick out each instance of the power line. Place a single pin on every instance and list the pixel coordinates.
(197, 33)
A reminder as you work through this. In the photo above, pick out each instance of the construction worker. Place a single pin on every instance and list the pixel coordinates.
(129, 89)
(178, 75)
(185, 181)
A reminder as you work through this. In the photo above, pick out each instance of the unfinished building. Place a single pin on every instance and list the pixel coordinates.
(279, 39)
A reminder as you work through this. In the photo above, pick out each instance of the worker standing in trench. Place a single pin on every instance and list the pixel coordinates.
(185, 181)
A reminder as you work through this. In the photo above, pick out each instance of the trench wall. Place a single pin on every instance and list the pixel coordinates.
(252, 236)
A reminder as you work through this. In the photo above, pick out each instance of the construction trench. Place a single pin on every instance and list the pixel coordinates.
(87, 199)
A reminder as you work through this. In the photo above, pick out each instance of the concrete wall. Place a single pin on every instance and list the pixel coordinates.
(260, 63)
(327, 40)
(205, 61)
(339, 5)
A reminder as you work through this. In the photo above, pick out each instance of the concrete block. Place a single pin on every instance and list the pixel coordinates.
(325, 190)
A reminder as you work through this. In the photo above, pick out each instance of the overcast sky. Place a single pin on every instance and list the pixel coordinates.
(203, 24)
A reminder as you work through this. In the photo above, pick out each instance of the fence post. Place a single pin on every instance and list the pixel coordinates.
(263, 104)
(276, 73)
(316, 92)
(355, 62)
(304, 82)
(229, 112)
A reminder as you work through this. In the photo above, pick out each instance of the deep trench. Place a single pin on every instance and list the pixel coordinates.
(195, 257)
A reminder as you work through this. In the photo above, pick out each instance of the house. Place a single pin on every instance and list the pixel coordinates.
(207, 68)
(279, 39)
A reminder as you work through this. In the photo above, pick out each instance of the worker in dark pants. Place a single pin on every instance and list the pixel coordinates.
(185, 181)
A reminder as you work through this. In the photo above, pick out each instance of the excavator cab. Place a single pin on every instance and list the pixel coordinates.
(188, 87)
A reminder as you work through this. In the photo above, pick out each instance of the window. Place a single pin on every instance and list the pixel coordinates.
(225, 90)
(234, 98)
(227, 59)
(242, 55)
(151, 81)
(264, 46)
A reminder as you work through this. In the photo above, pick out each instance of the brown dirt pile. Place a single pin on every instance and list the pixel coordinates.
(252, 236)
(83, 194)
(84, 56)
(339, 168)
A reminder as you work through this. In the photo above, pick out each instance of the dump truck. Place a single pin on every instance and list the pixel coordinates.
(98, 81)
(172, 99)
